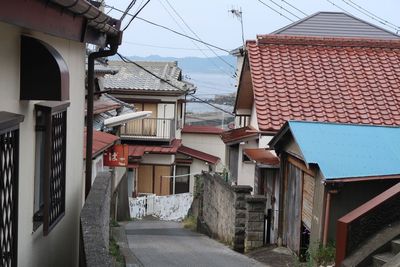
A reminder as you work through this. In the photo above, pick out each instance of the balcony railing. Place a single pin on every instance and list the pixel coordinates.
(366, 220)
(149, 128)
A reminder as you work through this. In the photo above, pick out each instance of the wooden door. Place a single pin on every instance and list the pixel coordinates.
(145, 179)
(162, 184)
(293, 202)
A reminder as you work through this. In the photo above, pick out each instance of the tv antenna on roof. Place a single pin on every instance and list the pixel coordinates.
(237, 12)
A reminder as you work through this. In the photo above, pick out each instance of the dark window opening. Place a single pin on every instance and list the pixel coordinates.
(9, 155)
(245, 158)
(182, 179)
(51, 133)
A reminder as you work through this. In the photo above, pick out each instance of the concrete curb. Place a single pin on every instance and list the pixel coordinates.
(119, 235)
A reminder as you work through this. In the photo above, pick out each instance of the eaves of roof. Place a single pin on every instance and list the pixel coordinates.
(198, 154)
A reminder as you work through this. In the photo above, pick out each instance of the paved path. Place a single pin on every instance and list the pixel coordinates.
(158, 243)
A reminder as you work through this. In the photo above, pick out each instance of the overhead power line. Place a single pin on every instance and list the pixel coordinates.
(128, 8)
(339, 7)
(292, 6)
(371, 15)
(197, 36)
(127, 60)
(196, 44)
(162, 47)
(172, 30)
(288, 11)
(135, 15)
(276, 11)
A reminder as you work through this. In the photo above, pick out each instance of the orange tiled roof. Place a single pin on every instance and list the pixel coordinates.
(101, 141)
(325, 79)
(198, 154)
(262, 156)
(138, 151)
(201, 129)
(238, 134)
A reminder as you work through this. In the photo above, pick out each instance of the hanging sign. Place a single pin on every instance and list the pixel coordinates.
(116, 156)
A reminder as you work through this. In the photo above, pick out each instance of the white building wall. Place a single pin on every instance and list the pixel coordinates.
(207, 143)
(246, 170)
(196, 167)
(264, 140)
(253, 118)
(158, 159)
(60, 247)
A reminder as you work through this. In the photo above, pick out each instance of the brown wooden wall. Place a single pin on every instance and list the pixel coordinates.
(151, 180)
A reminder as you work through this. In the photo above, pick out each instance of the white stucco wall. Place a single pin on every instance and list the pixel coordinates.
(158, 159)
(253, 118)
(264, 140)
(197, 166)
(60, 247)
(207, 143)
(245, 169)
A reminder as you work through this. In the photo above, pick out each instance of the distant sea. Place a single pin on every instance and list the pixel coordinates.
(208, 85)
(210, 75)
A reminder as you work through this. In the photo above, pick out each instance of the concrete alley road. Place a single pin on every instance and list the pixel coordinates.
(160, 243)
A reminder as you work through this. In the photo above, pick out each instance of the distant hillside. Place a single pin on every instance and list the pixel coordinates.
(196, 64)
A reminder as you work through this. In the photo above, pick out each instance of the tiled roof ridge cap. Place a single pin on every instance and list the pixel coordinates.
(325, 41)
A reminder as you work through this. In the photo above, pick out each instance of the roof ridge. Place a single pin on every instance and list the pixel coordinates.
(266, 39)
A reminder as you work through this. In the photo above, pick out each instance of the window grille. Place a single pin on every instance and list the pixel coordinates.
(9, 154)
(52, 120)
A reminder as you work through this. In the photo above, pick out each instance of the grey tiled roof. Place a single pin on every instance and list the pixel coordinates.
(101, 66)
(335, 24)
(131, 77)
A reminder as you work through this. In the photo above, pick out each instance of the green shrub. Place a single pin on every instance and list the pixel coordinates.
(115, 252)
(318, 255)
(190, 222)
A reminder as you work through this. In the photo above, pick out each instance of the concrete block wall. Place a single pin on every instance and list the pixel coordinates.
(254, 226)
(224, 210)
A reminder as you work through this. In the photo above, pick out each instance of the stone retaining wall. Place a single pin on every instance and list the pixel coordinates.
(224, 210)
(255, 213)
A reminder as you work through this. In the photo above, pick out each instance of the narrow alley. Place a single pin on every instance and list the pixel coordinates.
(161, 243)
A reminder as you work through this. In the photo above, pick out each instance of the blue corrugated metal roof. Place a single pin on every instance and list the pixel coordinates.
(346, 150)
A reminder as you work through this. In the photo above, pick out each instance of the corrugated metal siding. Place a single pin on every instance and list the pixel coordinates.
(335, 24)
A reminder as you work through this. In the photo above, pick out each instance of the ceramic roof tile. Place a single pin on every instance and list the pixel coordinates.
(101, 141)
(263, 156)
(238, 134)
(201, 129)
(132, 77)
(138, 151)
(324, 79)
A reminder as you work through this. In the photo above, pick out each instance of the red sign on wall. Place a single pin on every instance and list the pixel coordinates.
(116, 156)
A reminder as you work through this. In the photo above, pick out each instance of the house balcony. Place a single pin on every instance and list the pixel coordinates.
(155, 129)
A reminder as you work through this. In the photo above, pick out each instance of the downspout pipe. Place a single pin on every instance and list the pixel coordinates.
(89, 114)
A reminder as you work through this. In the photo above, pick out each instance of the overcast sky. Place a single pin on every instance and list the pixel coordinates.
(212, 22)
